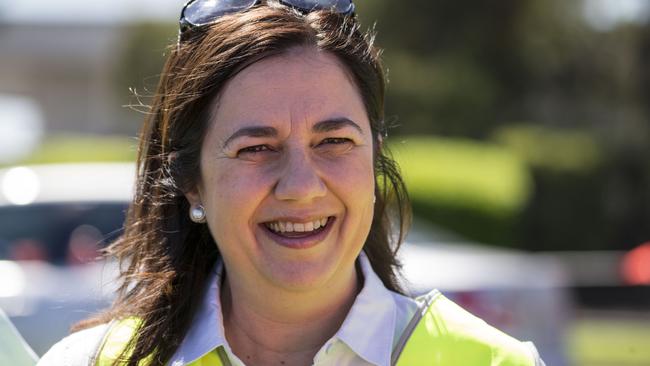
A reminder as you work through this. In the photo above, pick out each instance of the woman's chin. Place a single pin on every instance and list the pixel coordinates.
(302, 275)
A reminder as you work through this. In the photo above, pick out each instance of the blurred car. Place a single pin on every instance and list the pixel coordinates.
(53, 222)
(54, 219)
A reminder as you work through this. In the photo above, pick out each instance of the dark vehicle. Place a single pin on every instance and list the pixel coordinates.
(53, 222)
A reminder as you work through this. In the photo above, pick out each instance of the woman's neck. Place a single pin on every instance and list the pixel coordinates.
(271, 326)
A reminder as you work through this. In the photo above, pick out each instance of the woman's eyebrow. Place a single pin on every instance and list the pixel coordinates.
(266, 131)
(251, 131)
(335, 124)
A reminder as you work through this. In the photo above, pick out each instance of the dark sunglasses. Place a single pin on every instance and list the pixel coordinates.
(197, 13)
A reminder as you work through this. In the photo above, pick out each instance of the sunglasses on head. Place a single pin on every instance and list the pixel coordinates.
(197, 13)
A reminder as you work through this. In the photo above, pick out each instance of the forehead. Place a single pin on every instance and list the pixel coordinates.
(301, 85)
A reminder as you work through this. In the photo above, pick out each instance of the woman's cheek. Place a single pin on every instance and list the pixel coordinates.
(355, 173)
(242, 184)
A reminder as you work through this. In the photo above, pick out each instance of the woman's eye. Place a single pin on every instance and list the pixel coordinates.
(253, 149)
(336, 145)
(336, 141)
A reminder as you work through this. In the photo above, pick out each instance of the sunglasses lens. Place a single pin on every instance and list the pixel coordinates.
(205, 11)
(339, 6)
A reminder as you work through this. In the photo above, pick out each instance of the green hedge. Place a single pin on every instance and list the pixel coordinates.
(476, 189)
(572, 206)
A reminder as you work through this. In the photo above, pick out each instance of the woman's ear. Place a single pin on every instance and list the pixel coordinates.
(193, 197)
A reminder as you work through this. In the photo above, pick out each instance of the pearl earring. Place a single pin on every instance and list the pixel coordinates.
(197, 214)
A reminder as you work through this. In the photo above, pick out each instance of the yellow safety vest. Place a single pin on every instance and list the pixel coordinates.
(440, 334)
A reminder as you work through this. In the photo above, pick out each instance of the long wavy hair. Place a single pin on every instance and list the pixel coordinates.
(165, 258)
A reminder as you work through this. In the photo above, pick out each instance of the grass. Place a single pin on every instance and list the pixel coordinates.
(70, 148)
(610, 342)
(562, 151)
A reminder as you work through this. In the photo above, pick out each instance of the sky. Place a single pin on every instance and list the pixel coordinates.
(601, 14)
(85, 11)
(606, 14)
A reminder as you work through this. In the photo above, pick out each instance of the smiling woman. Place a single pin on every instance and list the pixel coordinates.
(303, 160)
(267, 214)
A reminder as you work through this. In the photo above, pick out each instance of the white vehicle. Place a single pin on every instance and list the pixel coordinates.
(525, 295)
(54, 218)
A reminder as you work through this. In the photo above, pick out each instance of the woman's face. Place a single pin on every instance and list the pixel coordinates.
(287, 172)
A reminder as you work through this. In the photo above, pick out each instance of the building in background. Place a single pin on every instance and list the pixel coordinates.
(64, 55)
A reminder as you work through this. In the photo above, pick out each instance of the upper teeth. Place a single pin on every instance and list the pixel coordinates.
(284, 227)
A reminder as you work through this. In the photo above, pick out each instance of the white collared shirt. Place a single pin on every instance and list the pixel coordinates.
(366, 337)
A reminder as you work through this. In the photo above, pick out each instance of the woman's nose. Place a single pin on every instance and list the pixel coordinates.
(300, 179)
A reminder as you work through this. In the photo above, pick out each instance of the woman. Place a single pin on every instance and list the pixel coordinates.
(262, 229)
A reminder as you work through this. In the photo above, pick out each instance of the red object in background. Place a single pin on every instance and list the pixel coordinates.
(485, 308)
(636, 265)
(28, 250)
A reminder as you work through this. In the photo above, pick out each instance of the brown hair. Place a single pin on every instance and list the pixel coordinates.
(164, 257)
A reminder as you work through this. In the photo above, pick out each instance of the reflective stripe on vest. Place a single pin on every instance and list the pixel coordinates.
(440, 334)
(118, 336)
(447, 335)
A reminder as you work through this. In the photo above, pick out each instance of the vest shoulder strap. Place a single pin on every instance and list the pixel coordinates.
(444, 334)
(115, 341)
(120, 333)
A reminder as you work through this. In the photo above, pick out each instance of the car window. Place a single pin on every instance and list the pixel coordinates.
(59, 233)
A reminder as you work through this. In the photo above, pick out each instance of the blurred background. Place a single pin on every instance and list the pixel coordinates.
(522, 128)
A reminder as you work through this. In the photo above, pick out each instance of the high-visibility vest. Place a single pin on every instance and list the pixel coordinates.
(440, 334)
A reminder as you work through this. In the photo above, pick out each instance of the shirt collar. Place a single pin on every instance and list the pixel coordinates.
(368, 328)
(206, 332)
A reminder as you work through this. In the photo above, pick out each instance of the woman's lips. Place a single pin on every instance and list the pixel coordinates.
(300, 240)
